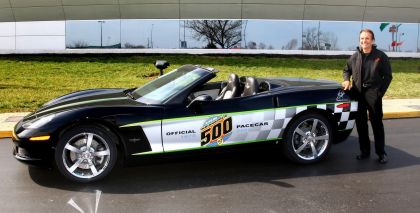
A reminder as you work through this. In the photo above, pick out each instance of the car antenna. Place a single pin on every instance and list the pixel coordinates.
(161, 65)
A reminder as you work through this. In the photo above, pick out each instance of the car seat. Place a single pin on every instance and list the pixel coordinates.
(231, 89)
(264, 86)
(251, 87)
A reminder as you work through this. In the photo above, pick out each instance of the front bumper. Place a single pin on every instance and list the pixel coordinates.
(23, 156)
(33, 157)
(35, 153)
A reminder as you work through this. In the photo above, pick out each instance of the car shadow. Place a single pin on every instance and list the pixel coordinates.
(263, 164)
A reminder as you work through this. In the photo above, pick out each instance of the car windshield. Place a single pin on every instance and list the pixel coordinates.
(160, 89)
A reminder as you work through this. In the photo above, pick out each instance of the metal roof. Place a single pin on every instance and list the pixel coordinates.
(340, 10)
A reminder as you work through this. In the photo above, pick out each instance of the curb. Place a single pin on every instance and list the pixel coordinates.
(394, 115)
(387, 115)
(5, 134)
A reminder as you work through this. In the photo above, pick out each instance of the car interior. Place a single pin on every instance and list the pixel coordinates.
(234, 87)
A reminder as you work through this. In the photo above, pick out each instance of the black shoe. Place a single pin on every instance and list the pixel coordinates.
(362, 156)
(383, 159)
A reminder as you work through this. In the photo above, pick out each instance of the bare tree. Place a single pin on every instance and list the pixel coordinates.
(328, 40)
(261, 45)
(129, 45)
(224, 33)
(252, 45)
(291, 45)
(79, 44)
(312, 39)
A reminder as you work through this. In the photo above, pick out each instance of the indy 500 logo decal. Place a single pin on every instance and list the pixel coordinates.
(340, 95)
(216, 130)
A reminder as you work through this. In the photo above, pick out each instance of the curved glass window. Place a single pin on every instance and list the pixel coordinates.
(271, 34)
(258, 34)
(394, 37)
(339, 35)
(93, 34)
(140, 34)
(164, 87)
(418, 37)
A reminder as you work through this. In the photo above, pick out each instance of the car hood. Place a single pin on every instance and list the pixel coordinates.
(85, 98)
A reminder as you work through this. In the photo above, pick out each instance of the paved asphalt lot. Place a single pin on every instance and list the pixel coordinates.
(247, 181)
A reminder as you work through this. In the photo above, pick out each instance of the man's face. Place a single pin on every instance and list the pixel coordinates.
(366, 40)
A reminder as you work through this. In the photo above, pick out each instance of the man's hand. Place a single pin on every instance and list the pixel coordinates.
(346, 85)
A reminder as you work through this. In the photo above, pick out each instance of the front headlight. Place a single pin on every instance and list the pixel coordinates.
(38, 122)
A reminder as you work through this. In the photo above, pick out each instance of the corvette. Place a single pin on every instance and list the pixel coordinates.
(85, 132)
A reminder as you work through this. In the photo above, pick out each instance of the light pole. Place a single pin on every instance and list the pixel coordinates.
(399, 41)
(151, 36)
(101, 22)
(319, 26)
(185, 42)
(246, 23)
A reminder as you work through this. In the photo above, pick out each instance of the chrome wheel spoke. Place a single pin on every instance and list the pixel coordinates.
(101, 153)
(93, 169)
(89, 141)
(314, 125)
(314, 151)
(72, 148)
(323, 137)
(300, 132)
(301, 147)
(75, 165)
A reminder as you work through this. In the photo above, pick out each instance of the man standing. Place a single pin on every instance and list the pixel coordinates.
(371, 75)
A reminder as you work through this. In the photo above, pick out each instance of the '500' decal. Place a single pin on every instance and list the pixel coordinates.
(216, 130)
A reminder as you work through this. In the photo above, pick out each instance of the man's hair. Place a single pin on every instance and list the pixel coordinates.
(366, 30)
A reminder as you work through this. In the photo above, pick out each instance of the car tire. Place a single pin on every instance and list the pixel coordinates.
(305, 144)
(86, 153)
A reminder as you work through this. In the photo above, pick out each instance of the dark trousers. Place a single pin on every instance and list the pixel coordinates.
(370, 101)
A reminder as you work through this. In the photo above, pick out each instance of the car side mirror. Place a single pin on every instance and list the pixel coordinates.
(198, 99)
(161, 65)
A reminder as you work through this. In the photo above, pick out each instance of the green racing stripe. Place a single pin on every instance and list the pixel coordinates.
(84, 102)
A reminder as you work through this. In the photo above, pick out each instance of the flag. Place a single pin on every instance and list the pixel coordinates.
(395, 44)
(383, 25)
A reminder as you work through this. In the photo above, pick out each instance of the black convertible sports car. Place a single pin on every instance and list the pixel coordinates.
(84, 132)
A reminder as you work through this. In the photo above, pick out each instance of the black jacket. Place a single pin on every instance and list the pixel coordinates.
(377, 63)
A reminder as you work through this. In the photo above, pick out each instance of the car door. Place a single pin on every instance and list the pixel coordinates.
(219, 123)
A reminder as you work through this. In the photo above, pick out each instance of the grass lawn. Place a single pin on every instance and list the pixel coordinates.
(26, 82)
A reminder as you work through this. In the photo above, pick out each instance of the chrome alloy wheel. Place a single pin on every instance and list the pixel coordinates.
(86, 155)
(310, 139)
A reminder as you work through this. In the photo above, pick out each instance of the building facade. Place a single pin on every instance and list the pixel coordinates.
(262, 26)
